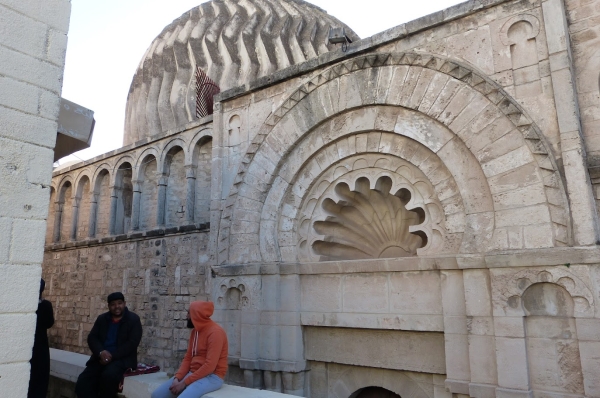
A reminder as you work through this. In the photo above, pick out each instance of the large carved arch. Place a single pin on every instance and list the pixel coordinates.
(474, 111)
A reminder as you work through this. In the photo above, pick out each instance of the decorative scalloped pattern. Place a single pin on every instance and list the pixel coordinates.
(535, 140)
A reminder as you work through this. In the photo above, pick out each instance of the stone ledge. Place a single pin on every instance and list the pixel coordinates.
(67, 365)
(556, 256)
(137, 235)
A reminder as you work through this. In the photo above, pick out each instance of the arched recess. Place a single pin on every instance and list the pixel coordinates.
(65, 201)
(124, 194)
(100, 213)
(349, 380)
(480, 117)
(201, 170)
(83, 197)
(147, 182)
(174, 177)
(553, 356)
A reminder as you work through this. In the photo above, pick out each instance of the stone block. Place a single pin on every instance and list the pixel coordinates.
(477, 293)
(415, 293)
(414, 351)
(31, 70)
(365, 293)
(505, 326)
(27, 241)
(588, 329)
(321, 293)
(55, 13)
(32, 37)
(14, 377)
(16, 347)
(511, 357)
(482, 358)
(57, 47)
(19, 292)
(453, 296)
(19, 95)
(590, 363)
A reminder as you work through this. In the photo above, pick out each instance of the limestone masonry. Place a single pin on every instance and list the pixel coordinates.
(414, 216)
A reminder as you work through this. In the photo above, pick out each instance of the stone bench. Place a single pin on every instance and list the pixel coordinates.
(67, 366)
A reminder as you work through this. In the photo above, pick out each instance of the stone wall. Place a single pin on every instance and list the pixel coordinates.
(33, 40)
(158, 276)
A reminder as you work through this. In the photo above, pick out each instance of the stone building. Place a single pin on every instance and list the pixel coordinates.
(415, 212)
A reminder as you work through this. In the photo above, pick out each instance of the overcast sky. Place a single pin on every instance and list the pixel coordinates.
(108, 38)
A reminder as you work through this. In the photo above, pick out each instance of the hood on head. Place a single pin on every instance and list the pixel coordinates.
(200, 312)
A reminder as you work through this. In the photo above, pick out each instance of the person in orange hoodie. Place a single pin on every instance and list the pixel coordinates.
(205, 363)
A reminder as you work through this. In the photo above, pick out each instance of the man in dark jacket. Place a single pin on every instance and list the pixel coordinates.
(113, 340)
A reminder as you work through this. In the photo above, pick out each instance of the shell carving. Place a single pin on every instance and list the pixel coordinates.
(369, 223)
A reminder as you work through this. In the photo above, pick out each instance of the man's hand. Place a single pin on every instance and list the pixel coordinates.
(105, 357)
(177, 387)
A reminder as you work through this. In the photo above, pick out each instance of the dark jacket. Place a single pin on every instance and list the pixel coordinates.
(128, 338)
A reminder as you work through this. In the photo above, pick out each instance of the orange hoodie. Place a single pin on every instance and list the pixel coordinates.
(207, 348)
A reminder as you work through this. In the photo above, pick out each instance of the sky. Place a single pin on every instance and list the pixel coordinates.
(108, 38)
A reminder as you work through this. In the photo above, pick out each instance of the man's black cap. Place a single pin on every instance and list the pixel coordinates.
(115, 296)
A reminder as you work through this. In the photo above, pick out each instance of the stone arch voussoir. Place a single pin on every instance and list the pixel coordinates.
(464, 100)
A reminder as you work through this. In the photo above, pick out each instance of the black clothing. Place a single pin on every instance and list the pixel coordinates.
(124, 357)
(40, 356)
(99, 380)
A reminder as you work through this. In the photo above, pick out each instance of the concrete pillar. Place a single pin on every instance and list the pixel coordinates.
(135, 206)
(75, 216)
(161, 207)
(93, 213)
(114, 197)
(57, 221)
(190, 200)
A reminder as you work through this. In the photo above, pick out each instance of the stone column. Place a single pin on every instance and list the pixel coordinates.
(75, 216)
(162, 199)
(93, 213)
(135, 206)
(57, 220)
(190, 200)
(114, 197)
(579, 187)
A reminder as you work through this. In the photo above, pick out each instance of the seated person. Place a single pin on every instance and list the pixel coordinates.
(114, 340)
(205, 363)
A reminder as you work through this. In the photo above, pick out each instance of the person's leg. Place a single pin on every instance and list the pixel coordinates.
(110, 377)
(87, 382)
(203, 386)
(163, 390)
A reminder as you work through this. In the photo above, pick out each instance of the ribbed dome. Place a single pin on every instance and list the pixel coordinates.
(233, 42)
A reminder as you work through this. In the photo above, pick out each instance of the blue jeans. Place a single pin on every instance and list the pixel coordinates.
(197, 389)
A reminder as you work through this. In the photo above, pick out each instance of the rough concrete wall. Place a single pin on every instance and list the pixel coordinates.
(33, 39)
(159, 277)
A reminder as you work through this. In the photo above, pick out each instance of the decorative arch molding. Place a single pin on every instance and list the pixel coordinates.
(510, 286)
(101, 169)
(61, 188)
(175, 143)
(141, 162)
(124, 159)
(354, 378)
(201, 137)
(473, 108)
(79, 182)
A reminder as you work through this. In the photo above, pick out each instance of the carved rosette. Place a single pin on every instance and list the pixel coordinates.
(371, 207)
